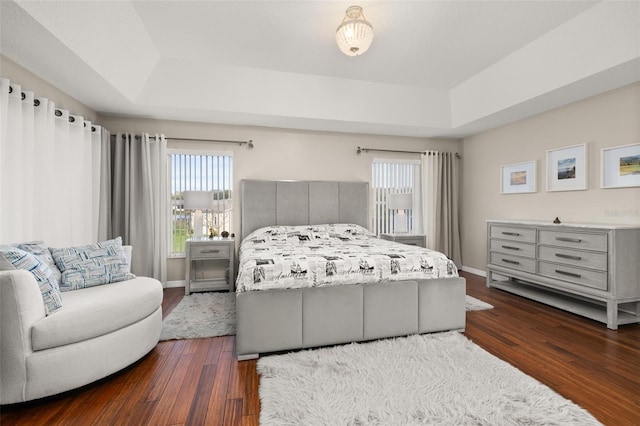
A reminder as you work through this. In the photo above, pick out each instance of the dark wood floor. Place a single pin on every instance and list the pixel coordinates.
(199, 382)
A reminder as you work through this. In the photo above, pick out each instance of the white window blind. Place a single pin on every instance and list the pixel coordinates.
(395, 177)
(194, 171)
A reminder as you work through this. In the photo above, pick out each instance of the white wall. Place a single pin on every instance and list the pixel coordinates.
(607, 120)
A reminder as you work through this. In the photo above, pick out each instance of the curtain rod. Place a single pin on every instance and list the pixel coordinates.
(57, 112)
(363, 149)
(249, 143)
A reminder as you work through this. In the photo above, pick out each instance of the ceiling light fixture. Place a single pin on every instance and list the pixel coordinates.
(355, 33)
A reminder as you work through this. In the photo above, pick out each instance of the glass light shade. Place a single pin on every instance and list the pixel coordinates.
(355, 33)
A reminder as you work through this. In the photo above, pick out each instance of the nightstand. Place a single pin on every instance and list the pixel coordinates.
(409, 239)
(205, 252)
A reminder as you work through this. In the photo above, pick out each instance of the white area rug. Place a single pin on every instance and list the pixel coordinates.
(437, 379)
(473, 304)
(201, 315)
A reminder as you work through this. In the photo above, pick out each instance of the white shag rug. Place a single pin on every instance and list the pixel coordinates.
(473, 304)
(201, 315)
(435, 379)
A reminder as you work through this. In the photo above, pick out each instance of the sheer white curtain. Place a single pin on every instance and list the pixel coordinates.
(440, 182)
(134, 192)
(48, 178)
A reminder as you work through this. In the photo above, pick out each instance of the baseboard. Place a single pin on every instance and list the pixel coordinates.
(474, 271)
(173, 284)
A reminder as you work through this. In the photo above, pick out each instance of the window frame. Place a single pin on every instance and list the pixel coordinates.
(200, 152)
(416, 225)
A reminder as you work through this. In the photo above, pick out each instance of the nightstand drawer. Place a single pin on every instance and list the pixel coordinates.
(209, 251)
(526, 235)
(513, 262)
(411, 241)
(584, 259)
(408, 239)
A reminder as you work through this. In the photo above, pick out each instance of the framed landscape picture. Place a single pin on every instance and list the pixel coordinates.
(620, 166)
(567, 168)
(518, 178)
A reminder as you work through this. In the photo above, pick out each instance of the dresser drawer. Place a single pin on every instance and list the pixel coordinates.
(209, 251)
(584, 259)
(513, 247)
(587, 278)
(526, 235)
(573, 240)
(513, 262)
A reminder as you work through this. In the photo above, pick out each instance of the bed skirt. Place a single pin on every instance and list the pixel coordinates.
(279, 320)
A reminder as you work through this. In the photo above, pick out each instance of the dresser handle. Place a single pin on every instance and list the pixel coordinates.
(209, 251)
(513, 234)
(515, 262)
(511, 248)
(571, 274)
(570, 240)
(567, 256)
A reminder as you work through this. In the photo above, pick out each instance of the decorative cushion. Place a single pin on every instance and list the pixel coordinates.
(40, 250)
(20, 259)
(91, 265)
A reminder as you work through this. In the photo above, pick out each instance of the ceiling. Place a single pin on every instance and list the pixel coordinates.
(435, 68)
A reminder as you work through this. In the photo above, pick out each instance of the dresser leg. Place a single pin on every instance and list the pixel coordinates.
(612, 315)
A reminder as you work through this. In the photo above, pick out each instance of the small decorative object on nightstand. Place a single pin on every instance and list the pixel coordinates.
(409, 239)
(209, 250)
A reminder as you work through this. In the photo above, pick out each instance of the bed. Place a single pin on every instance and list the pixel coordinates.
(327, 293)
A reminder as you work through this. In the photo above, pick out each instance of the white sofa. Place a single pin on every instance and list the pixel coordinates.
(97, 332)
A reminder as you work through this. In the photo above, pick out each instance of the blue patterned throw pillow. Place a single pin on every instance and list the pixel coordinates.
(40, 250)
(91, 265)
(20, 259)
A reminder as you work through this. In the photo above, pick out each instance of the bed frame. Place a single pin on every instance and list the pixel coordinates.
(278, 320)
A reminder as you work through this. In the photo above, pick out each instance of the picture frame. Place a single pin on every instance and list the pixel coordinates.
(518, 178)
(620, 166)
(567, 168)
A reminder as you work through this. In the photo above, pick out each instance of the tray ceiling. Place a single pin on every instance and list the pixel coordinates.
(435, 68)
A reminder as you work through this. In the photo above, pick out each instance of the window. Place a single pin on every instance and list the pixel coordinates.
(395, 177)
(195, 171)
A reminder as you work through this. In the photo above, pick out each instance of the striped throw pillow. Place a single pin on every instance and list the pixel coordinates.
(20, 259)
(91, 265)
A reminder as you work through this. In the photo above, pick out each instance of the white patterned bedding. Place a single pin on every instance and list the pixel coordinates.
(283, 257)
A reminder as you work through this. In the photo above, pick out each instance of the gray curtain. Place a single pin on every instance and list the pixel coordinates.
(440, 171)
(135, 195)
(104, 217)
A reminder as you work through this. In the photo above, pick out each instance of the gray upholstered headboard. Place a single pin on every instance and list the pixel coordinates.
(266, 203)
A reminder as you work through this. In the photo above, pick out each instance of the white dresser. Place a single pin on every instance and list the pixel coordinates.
(590, 270)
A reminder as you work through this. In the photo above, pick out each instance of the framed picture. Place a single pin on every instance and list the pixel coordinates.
(567, 168)
(620, 166)
(518, 178)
